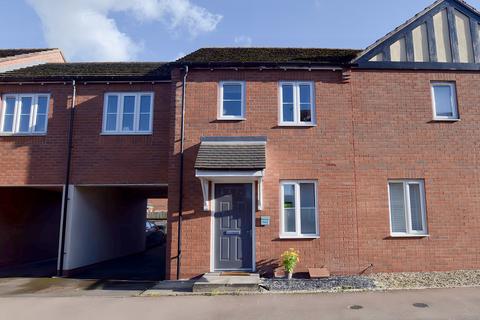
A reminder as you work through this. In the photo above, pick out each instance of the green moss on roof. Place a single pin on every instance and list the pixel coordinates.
(92, 71)
(5, 53)
(271, 55)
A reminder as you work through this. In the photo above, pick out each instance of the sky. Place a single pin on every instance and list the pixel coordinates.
(164, 30)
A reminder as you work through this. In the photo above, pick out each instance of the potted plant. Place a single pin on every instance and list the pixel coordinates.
(290, 259)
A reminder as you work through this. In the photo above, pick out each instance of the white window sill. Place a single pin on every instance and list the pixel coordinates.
(22, 134)
(287, 237)
(307, 125)
(126, 133)
(232, 119)
(445, 120)
(409, 235)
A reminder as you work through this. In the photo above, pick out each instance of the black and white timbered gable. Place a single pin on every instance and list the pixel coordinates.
(443, 36)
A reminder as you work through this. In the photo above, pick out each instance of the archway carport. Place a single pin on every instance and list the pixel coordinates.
(29, 230)
(105, 236)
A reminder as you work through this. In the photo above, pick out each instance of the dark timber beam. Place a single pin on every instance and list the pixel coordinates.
(432, 45)
(475, 39)
(452, 30)
(409, 46)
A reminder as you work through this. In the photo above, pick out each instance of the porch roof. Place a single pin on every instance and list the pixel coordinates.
(232, 153)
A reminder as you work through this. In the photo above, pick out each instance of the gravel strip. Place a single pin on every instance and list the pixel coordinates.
(415, 280)
(330, 284)
(379, 281)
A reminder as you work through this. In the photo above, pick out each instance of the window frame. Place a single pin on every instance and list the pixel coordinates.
(298, 231)
(16, 114)
(296, 104)
(220, 115)
(136, 115)
(454, 100)
(408, 214)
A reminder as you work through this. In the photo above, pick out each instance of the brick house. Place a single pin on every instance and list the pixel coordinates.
(363, 160)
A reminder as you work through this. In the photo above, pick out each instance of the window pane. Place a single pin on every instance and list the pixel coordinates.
(144, 124)
(397, 208)
(8, 123)
(145, 104)
(443, 101)
(416, 207)
(232, 92)
(305, 94)
(129, 104)
(232, 108)
(111, 124)
(112, 104)
(10, 110)
(289, 207)
(25, 110)
(127, 124)
(288, 112)
(9, 115)
(307, 208)
(42, 105)
(40, 125)
(287, 93)
(305, 112)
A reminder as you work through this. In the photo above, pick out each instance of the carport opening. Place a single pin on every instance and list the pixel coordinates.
(116, 233)
(29, 230)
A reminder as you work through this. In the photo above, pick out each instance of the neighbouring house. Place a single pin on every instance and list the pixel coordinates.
(363, 160)
(11, 59)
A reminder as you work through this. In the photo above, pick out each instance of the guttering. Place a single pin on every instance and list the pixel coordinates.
(66, 193)
(180, 196)
(65, 82)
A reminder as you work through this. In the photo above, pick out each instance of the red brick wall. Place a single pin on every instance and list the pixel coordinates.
(396, 138)
(37, 159)
(323, 153)
(96, 159)
(123, 159)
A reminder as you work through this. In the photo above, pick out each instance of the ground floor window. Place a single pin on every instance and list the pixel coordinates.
(407, 207)
(299, 209)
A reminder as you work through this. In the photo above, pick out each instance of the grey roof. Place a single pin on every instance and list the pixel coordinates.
(269, 56)
(412, 20)
(232, 155)
(6, 53)
(90, 71)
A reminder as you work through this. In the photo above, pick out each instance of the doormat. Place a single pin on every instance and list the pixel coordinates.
(234, 274)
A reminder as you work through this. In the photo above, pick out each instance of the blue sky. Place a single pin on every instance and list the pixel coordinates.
(160, 30)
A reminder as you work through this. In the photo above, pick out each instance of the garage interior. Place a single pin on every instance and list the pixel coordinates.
(29, 230)
(106, 234)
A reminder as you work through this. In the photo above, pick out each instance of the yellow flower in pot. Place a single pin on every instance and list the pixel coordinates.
(290, 259)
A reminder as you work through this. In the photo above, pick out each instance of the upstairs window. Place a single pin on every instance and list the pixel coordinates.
(299, 209)
(25, 114)
(444, 101)
(297, 105)
(128, 113)
(232, 100)
(407, 208)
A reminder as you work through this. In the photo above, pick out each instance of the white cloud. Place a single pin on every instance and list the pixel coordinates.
(84, 30)
(243, 41)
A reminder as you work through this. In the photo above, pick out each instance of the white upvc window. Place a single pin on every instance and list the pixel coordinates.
(297, 103)
(407, 208)
(128, 113)
(444, 99)
(231, 100)
(298, 216)
(25, 114)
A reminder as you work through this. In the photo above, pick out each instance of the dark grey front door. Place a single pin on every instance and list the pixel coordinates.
(233, 227)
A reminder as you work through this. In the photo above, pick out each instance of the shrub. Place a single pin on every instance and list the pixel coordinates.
(290, 259)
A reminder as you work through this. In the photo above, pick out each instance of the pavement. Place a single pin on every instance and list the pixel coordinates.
(432, 304)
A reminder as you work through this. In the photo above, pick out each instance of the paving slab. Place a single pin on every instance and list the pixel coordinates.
(218, 283)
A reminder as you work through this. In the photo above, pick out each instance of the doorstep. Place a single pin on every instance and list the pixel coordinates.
(217, 282)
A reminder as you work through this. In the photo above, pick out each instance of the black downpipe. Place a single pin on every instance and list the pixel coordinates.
(67, 181)
(180, 194)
